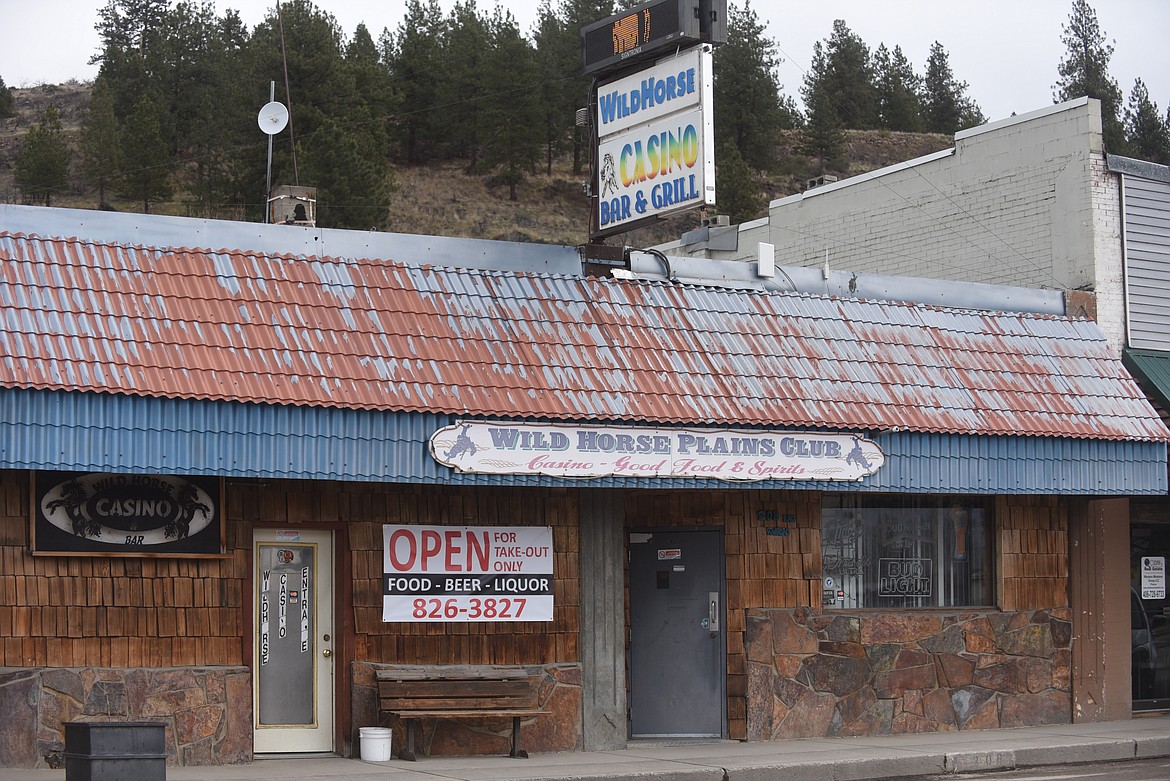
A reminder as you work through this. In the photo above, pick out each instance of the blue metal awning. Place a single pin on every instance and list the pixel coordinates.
(93, 432)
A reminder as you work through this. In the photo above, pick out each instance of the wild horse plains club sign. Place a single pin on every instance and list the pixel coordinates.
(597, 451)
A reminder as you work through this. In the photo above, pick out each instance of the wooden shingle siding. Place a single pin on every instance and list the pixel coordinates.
(112, 612)
(367, 508)
(1032, 552)
(153, 612)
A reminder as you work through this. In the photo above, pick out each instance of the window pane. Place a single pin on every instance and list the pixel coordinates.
(904, 552)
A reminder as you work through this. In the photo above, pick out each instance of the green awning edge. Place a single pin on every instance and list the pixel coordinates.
(1151, 368)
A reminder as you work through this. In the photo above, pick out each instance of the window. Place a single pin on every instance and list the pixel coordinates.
(905, 551)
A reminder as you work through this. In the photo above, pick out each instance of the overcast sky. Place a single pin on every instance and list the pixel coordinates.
(1006, 50)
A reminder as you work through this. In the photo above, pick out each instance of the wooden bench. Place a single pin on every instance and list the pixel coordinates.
(458, 693)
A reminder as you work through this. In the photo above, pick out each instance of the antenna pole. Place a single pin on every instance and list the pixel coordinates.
(268, 179)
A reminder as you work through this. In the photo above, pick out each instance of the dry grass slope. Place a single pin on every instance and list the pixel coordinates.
(442, 200)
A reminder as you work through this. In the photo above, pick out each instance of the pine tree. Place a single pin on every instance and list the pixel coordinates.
(736, 194)
(144, 159)
(417, 67)
(463, 90)
(945, 105)
(823, 136)
(220, 136)
(131, 32)
(99, 139)
(1147, 135)
(42, 165)
(374, 85)
(512, 131)
(7, 104)
(353, 182)
(749, 112)
(842, 70)
(898, 91)
(306, 43)
(558, 61)
(577, 14)
(1085, 71)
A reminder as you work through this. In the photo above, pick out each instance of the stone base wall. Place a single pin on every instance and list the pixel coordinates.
(816, 674)
(207, 710)
(559, 728)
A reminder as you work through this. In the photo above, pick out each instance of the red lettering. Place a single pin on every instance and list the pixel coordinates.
(411, 547)
(479, 549)
(453, 547)
(432, 544)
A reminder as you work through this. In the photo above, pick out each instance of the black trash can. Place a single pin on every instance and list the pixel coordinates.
(115, 751)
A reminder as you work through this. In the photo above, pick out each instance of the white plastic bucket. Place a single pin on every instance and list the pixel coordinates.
(375, 742)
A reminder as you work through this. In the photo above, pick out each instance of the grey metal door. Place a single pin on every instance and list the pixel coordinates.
(676, 634)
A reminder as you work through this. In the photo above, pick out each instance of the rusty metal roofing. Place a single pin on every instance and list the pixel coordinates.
(379, 335)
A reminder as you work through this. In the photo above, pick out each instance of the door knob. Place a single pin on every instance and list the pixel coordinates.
(327, 653)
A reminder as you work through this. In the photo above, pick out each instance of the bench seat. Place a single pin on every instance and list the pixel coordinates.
(458, 693)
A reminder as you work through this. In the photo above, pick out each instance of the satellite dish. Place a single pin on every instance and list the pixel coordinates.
(273, 118)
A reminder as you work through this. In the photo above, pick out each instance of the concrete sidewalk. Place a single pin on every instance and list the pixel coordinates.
(813, 759)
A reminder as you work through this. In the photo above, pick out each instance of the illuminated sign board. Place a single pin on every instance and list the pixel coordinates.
(656, 142)
(640, 30)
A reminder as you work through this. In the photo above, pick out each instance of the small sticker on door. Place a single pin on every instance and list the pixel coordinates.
(669, 554)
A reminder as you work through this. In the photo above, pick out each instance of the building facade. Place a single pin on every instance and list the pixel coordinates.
(238, 482)
(1034, 201)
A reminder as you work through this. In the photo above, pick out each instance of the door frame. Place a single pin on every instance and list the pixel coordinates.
(642, 529)
(344, 641)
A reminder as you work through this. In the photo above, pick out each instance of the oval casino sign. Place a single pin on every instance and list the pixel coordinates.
(128, 510)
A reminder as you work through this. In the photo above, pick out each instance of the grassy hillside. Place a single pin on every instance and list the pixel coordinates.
(441, 199)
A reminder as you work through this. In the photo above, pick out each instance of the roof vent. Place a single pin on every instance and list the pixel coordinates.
(820, 181)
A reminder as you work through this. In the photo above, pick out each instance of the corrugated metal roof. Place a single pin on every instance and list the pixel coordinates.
(378, 335)
(103, 432)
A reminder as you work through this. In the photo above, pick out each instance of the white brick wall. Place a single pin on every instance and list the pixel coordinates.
(1025, 201)
(1107, 249)
(1011, 206)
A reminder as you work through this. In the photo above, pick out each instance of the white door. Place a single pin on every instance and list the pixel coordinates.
(293, 644)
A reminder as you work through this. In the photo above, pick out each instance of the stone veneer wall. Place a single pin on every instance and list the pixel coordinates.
(207, 710)
(816, 674)
(558, 729)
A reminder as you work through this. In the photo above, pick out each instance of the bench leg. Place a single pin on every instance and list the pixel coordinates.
(517, 752)
(407, 753)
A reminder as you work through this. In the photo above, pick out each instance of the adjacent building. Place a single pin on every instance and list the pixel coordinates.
(1033, 201)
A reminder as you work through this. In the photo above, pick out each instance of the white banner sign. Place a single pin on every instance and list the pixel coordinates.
(657, 156)
(467, 573)
(597, 451)
(1153, 577)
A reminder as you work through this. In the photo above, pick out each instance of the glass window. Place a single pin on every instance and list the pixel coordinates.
(1149, 546)
(905, 551)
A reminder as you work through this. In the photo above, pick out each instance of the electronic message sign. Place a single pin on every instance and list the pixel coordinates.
(640, 30)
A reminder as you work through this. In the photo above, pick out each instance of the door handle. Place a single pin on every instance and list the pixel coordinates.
(327, 653)
(713, 612)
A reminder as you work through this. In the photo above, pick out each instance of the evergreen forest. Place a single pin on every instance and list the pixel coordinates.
(170, 125)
